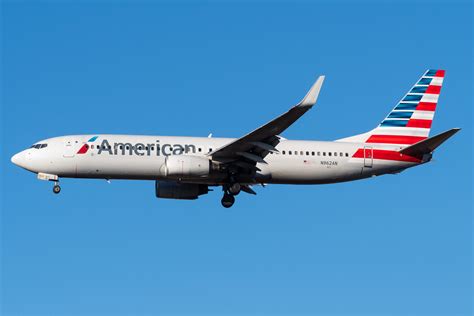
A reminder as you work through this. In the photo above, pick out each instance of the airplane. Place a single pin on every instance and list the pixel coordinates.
(188, 167)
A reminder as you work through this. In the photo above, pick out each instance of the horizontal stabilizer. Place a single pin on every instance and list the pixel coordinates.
(428, 145)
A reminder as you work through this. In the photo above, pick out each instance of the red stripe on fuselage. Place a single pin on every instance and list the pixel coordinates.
(394, 139)
(386, 155)
(426, 106)
(419, 123)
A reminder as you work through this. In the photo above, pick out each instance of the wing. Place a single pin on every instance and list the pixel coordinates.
(246, 151)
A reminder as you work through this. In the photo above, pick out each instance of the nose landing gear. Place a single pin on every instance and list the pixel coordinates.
(56, 188)
(50, 177)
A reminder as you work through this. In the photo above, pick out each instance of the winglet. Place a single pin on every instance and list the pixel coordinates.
(310, 99)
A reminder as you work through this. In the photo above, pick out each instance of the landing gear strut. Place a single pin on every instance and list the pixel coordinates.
(56, 188)
(230, 189)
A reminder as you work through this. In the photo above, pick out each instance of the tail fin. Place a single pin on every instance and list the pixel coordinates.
(410, 121)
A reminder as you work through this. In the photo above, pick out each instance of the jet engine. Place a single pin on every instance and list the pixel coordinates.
(183, 166)
(179, 191)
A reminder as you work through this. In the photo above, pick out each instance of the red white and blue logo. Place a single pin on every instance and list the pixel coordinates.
(409, 122)
(86, 146)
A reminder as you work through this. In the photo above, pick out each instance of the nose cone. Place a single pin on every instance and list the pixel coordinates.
(16, 159)
(20, 160)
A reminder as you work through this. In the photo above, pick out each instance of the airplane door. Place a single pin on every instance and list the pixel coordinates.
(69, 150)
(368, 156)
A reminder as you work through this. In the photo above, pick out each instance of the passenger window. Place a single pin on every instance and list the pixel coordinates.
(335, 154)
(296, 153)
(347, 155)
(44, 145)
(340, 154)
(283, 152)
(92, 146)
(289, 152)
(319, 153)
(324, 153)
(199, 149)
(329, 153)
(312, 153)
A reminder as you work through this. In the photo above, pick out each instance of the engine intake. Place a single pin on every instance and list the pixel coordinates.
(183, 166)
(179, 191)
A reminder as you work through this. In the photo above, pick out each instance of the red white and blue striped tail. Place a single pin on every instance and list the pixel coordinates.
(410, 121)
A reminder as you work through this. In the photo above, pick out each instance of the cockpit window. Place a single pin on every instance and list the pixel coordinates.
(39, 146)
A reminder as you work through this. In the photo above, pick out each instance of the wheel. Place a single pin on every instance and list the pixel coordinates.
(234, 189)
(227, 200)
(56, 189)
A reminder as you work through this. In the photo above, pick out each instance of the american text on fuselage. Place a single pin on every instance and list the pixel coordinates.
(141, 149)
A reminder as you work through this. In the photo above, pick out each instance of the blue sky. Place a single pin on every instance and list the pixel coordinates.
(393, 245)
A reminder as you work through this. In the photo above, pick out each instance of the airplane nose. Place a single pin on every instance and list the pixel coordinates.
(24, 160)
(21, 159)
(16, 159)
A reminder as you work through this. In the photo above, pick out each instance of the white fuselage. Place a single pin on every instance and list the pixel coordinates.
(143, 157)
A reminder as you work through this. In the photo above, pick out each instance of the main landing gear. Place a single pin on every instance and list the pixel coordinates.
(56, 188)
(227, 200)
(229, 192)
(234, 188)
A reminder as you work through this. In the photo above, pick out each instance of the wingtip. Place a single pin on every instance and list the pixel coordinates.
(454, 130)
(313, 93)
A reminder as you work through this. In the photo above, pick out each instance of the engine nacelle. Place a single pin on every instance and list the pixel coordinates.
(179, 191)
(184, 166)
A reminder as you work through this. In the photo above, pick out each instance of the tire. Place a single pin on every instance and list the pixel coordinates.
(227, 200)
(56, 189)
(234, 189)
